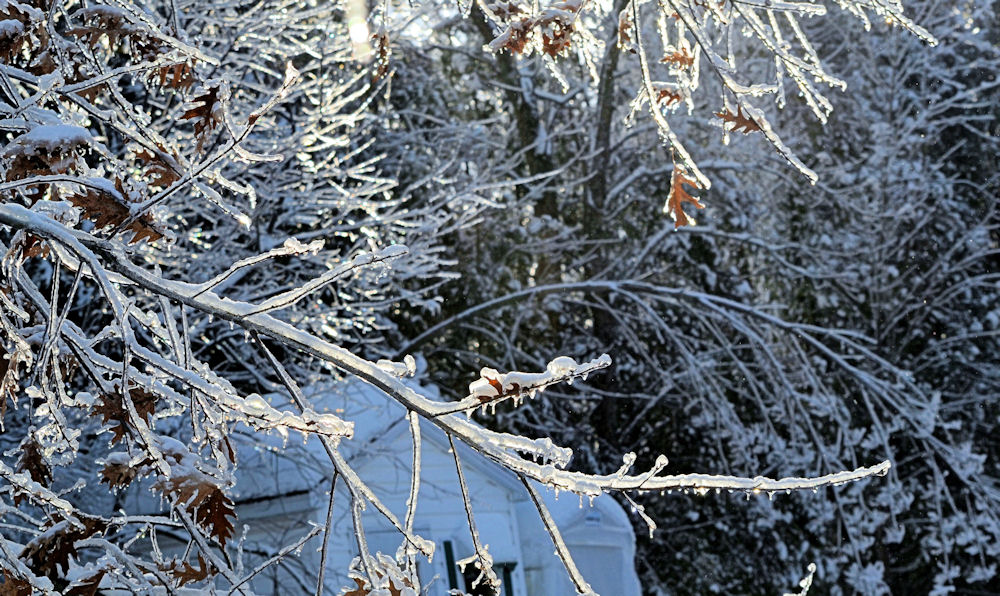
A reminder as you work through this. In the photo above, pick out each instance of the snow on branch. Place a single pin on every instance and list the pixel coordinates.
(704, 32)
(494, 387)
(115, 178)
(246, 315)
(700, 483)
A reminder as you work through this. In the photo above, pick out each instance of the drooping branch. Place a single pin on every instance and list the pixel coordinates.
(494, 446)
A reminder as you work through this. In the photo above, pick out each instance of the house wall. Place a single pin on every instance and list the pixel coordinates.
(440, 510)
(381, 452)
(599, 537)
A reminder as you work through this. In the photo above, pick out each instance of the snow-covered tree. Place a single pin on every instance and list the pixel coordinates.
(899, 242)
(723, 357)
(196, 212)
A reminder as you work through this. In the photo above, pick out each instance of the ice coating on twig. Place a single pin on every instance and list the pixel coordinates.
(493, 386)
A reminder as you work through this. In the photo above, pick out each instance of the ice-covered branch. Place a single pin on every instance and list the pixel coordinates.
(481, 557)
(472, 435)
(582, 587)
(292, 296)
(494, 387)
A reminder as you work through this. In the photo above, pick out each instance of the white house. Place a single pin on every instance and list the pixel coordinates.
(283, 489)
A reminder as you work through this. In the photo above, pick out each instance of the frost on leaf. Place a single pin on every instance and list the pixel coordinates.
(50, 552)
(16, 34)
(105, 22)
(679, 195)
(32, 462)
(514, 38)
(363, 588)
(550, 31)
(625, 26)
(158, 171)
(86, 586)
(197, 493)
(46, 149)
(556, 33)
(389, 579)
(105, 210)
(23, 247)
(206, 111)
(682, 58)
(119, 470)
(114, 411)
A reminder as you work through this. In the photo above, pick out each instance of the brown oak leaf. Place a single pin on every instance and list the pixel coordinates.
(558, 39)
(681, 58)
(739, 121)
(112, 410)
(668, 96)
(119, 475)
(679, 195)
(185, 573)
(495, 383)
(159, 171)
(514, 390)
(214, 513)
(383, 51)
(86, 586)
(27, 245)
(363, 590)
(49, 553)
(14, 586)
(625, 41)
(106, 211)
(14, 40)
(205, 113)
(178, 76)
(210, 506)
(516, 36)
(39, 153)
(32, 462)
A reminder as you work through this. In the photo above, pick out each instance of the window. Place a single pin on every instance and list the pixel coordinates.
(505, 571)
